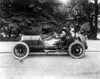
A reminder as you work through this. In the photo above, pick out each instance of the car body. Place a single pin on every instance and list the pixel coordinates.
(75, 46)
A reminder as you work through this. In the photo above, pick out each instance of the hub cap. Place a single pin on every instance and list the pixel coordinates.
(20, 50)
(77, 50)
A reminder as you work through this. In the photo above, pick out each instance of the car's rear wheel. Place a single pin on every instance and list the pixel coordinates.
(76, 50)
(20, 50)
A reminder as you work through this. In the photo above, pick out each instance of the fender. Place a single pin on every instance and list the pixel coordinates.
(82, 40)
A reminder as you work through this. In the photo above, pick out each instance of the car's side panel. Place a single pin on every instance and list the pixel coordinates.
(31, 37)
(34, 42)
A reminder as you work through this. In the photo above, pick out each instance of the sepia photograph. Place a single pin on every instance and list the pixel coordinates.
(49, 39)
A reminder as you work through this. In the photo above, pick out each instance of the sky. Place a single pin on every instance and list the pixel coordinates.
(93, 1)
(66, 1)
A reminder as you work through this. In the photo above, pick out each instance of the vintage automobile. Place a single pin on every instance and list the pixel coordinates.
(74, 46)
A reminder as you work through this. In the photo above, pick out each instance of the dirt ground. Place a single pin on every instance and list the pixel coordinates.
(52, 66)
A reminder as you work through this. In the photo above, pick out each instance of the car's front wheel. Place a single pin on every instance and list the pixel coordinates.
(20, 50)
(76, 50)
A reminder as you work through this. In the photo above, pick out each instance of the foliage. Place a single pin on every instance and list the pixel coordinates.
(85, 29)
(26, 17)
(30, 16)
(85, 12)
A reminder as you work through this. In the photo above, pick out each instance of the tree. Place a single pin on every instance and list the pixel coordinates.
(88, 12)
(96, 18)
(28, 14)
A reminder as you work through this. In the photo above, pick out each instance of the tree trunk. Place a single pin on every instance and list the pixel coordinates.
(94, 26)
(91, 29)
(96, 19)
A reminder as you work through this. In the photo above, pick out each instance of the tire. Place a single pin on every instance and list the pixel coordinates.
(76, 50)
(20, 51)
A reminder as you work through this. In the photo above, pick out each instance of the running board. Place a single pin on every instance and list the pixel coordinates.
(56, 53)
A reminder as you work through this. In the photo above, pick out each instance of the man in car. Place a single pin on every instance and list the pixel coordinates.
(64, 34)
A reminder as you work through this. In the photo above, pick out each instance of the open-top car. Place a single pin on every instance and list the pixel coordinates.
(74, 46)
